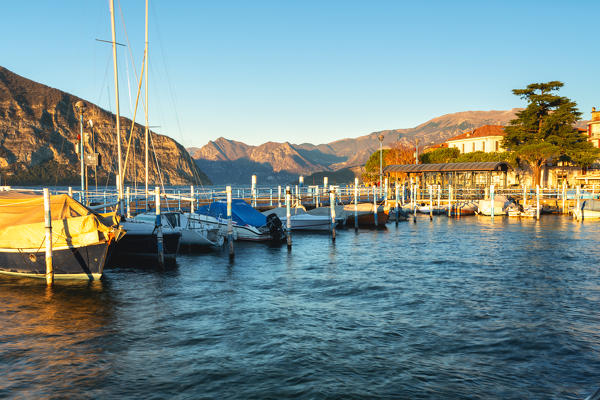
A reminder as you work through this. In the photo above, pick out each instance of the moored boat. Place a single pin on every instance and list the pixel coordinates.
(81, 239)
(301, 220)
(366, 216)
(247, 223)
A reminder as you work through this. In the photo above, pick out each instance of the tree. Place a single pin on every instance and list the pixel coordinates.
(438, 156)
(545, 129)
(400, 153)
(371, 173)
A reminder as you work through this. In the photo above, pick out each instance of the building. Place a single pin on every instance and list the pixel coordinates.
(487, 138)
(593, 128)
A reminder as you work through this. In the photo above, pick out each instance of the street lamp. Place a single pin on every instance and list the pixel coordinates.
(380, 137)
(80, 106)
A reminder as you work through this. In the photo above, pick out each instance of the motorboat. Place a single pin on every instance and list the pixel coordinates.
(340, 213)
(366, 215)
(301, 220)
(194, 232)
(463, 208)
(425, 208)
(81, 238)
(142, 241)
(590, 209)
(247, 223)
(500, 203)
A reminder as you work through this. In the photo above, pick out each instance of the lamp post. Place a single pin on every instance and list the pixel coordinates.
(380, 137)
(80, 106)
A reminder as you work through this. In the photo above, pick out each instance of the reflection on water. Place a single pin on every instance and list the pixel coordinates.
(453, 308)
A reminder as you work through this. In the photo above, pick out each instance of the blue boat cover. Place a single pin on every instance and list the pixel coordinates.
(241, 212)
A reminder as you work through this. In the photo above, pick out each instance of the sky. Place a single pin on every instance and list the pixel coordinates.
(305, 71)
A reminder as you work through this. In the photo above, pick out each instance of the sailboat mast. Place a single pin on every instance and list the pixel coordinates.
(114, 47)
(146, 90)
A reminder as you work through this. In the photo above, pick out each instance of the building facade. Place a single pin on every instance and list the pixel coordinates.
(593, 128)
(487, 138)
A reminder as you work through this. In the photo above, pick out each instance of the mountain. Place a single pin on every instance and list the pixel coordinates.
(39, 130)
(230, 161)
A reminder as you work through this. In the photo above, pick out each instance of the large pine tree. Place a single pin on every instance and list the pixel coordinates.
(545, 131)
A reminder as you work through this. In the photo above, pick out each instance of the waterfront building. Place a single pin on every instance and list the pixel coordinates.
(593, 128)
(487, 138)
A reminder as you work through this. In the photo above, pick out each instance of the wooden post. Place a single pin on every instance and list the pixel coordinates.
(439, 191)
(385, 193)
(332, 208)
(564, 196)
(414, 197)
(48, 229)
(288, 217)
(537, 199)
(492, 201)
(578, 204)
(356, 204)
(449, 200)
(253, 190)
(375, 207)
(192, 199)
(403, 193)
(70, 192)
(430, 203)
(158, 225)
(279, 196)
(397, 205)
(229, 224)
(297, 195)
(127, 196)
(271, 197)
(524, 196)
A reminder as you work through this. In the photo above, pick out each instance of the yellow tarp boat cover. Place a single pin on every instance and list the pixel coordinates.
(73, 225)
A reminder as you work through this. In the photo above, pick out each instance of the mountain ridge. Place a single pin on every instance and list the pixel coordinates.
(275, 161)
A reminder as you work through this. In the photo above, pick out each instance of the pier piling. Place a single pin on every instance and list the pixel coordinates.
(229, 224)
(537, 201)
(375, 206)
(288, 215)
(355, 204)
(332, 208)
(158, 226)
(48, 229)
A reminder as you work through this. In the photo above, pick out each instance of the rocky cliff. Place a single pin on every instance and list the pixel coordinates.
(39, 130)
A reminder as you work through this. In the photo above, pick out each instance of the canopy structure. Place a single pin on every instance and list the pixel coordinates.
(449, 167)
(465, 174)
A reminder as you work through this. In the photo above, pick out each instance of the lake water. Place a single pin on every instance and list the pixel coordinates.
(464, 308)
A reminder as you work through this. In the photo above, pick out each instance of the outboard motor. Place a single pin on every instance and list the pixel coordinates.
(275, 227)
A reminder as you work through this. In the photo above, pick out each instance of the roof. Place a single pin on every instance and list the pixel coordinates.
(449, 167)
(484, 131)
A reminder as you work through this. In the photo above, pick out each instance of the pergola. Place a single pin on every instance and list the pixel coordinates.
(465, 174)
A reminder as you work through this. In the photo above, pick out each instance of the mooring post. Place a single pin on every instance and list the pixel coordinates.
(492, 201)
(439, 190)
(375, 208)
(298, 201)
(192, 199)
(430, 203)
(397, 206)
(48, 229)
(127, 197)
(356, 204)
(271, 197)
(288, 215)
(332, 208)
(415, 204)
(578, 204)
(524, 195)
(403, 193)
(385, 193)
(229, 224)
(564, 196)
(449, 200)
(278, 196)
(537, 200)
(253, 189)
(158, 226)
(70, 192)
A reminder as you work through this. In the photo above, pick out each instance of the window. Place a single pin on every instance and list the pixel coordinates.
(483, 146)
(497, 146)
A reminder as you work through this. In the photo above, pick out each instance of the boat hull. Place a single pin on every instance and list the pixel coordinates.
(144, 245)
(367, 220)
(83, 263)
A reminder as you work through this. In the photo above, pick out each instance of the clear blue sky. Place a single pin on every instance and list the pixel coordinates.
(307, 71)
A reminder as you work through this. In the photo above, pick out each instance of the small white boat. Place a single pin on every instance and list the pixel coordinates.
(193, 231)
(435, 210)
(301, 220)
(500, 204)
(340, 213)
